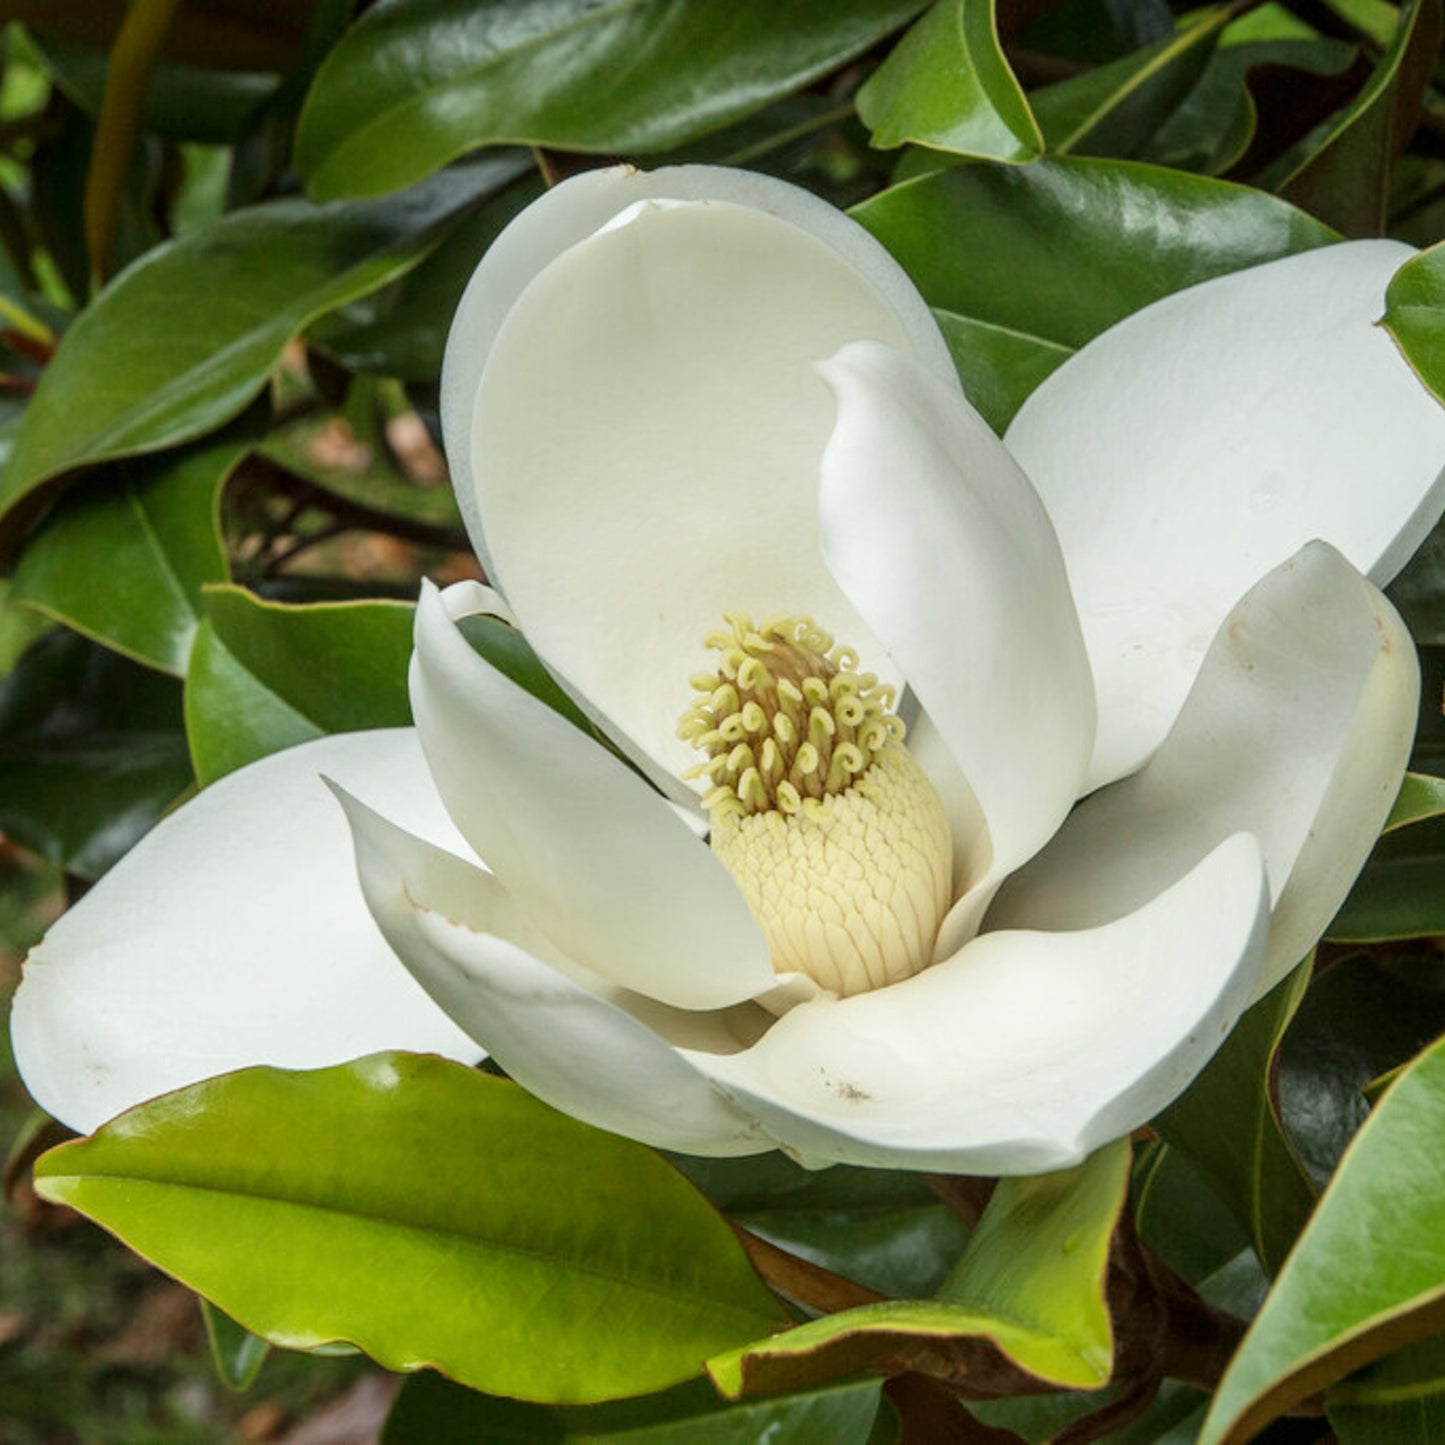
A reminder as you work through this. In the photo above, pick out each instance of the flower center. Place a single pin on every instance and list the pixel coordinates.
(835, 834)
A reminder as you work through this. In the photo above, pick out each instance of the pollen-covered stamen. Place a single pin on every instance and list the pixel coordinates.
(836, 836)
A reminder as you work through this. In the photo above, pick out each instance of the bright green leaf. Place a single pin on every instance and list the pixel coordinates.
(1227, 1122)
(477, 1231)
(418, 82)
(948, 85)
(433, 1411)
(1031, 1282)
(123, 559)
(1368, 1274)
(181, 341)
(1415, 315)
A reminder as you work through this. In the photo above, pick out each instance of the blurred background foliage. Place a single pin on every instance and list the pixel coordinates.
(232, 233)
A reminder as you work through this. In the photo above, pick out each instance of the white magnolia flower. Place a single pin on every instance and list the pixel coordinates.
(699, 401)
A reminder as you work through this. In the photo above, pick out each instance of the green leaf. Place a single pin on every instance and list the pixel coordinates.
(1059, 250)
(1359, 1020)
(1343, 173)
(1228, 1123)
(123, 558)
(948, 85)
(1368, 1275)
(433, 1411)
(236, 1353)
(772, 1183)
(1400, 1401)
(477, 1231)
(1420, 797)
(1213, 125)
(1116, 109)
(1419, 590)
(998, 367)
(1400, 893)
(1182, 1217)
(417, 82)
(1031, 1282)
(181, 341)
(232, 718)
(1415, 316)
(91, 752)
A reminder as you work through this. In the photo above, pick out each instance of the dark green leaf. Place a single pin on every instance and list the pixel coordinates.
(237, 1354)
(998, 367)
(474, 1225)
(1227, 1122)
(772, 1183)
(91, 752)
(123, 558)
(948, 85)
(1419, 590)
(180, 342)
(433, 1411)
(1400, 1401)
(1401, 891)
(1368, 1275)
(1182, 1217)
(1342, 170)
(418, 82)
(1059, 250)
(1116, 109)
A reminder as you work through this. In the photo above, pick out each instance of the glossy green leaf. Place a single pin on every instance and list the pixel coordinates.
(1359, 1019)
(998, 367)
(903, 1253)
(417, 82)
(771, 1183)
(1344, 174)
(948, 85)
(180, 342)
(1211, 128)
(1181, 1215)
(433, 1411)
(1400, 893)
(1399, 1401)
(1059, 250)
(1116, 109)
(236, 1353)
(476, 1231)
(1031, 1282)
(232, 718)
(1415, 316)
(91, 752)
(1227, 1122)
(402, 330)
(1368, 1275)
(1420, 797)
(123, 558)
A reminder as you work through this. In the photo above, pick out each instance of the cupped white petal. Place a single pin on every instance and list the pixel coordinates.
(1204, 440)
(570, 1041)
(942, 545)
(233, 934)
(645, 444)
(604, 865)
(1025, 1050)
(1297, 730)
(583, 204)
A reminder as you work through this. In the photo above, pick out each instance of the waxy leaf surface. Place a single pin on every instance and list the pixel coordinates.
(429, 1214)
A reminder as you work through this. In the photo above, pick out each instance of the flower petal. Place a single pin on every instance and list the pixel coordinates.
(1204, 440)
(1025, 1050)
(1297, 730)
(581, 205)
(940, 542)
(233, 934)
(606, 866)
(646, 434)
(571, 1045)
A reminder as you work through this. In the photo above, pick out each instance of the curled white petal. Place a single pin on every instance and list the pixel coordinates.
(1297, 729)
(1203, 441)
(605, 866)
(1025, 1050)
(569, 1040)
(233, 934)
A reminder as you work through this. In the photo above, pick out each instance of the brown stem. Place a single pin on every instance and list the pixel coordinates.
(803, 1282)
(965, 1195)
